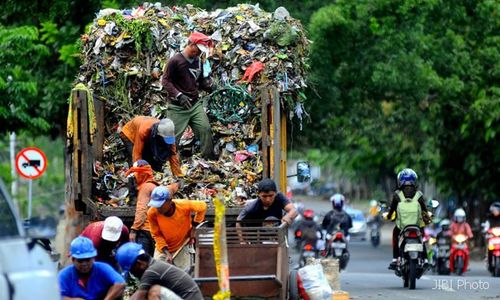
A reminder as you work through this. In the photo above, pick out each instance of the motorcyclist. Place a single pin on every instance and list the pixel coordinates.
(459, 225)
(494, 216)
(374, 212)
(310, 230)
(337, 216)
(406, 193)
(492, 222)
(445, 226)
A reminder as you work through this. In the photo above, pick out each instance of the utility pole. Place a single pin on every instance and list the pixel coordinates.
(13, 173)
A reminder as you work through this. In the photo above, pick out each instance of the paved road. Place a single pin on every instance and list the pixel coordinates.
(367, 276)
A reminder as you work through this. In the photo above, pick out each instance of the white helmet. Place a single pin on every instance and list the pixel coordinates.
(459, 215)
(373, 203)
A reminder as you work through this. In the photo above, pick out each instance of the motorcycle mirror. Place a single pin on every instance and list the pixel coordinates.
(434, 203)
(41, 228)
(303, 171)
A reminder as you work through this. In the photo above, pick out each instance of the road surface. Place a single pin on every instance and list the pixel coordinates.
(367, 276)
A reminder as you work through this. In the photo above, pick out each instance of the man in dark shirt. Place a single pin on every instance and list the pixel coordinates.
(158, 279)
(182, 79)
(270, 204)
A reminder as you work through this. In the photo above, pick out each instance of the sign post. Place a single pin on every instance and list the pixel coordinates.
(31, 162)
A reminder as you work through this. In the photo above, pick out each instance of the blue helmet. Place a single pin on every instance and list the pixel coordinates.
(338, 201)
(81, 248)
(407, 177)
(159, 195)
(127, 255)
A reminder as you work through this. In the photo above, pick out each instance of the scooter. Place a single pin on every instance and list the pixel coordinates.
(374, 232)
(336, 247)
(459, 257)
(493, 242)
(307, 250)
(411, 264)
(443, 254)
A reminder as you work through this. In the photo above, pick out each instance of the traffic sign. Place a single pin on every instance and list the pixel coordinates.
(31, 162)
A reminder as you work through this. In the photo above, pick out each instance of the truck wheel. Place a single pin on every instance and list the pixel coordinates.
(293, 287)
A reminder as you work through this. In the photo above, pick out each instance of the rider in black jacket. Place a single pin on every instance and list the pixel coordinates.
(337, 216)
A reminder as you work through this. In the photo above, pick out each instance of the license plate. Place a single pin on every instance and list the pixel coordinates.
(308, 254)
(414, 247)
(460, 246)
(444, 247)
(494, 241)
(339, 245)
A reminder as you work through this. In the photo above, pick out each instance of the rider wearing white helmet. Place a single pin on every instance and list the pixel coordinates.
(459, 225)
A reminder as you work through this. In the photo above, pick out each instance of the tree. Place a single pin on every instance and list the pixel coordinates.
(410, 83)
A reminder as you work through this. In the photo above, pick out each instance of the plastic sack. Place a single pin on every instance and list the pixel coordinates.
(315, 283)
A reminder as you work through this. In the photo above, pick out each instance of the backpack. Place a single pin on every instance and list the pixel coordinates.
(408, 211)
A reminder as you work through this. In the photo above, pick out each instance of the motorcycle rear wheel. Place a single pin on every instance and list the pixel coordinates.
(413, 273)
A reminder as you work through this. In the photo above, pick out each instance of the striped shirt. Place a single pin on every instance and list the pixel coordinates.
(172, 278)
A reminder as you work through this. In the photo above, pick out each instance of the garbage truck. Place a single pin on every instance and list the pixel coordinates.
(117, 68)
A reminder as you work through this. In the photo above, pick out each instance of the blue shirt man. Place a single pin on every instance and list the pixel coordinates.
(87, 279)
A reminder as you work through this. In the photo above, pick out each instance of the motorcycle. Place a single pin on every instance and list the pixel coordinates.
(443, 254)
(307, 250)
(411, 264)
(459, 257)
(431, 251)
(374, 231)
(336, 247)
(493, 242)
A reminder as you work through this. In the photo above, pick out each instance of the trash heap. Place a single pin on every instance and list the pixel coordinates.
(124, 53)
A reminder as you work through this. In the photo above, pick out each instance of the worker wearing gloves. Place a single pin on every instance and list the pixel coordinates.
(172, 227)
(182, 79)
(152, 140)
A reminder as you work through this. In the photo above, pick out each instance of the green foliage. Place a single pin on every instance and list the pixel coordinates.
(19, 88)
(410, 83)
(48, 190)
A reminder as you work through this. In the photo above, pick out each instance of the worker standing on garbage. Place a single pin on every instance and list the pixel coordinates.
(106, 236)
(183, 77)
(153, 140)
(172, 226)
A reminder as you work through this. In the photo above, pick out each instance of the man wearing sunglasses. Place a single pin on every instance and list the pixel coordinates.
(152, 140)
(87, 279)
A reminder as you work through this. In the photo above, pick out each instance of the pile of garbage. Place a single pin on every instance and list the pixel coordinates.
(125, 51)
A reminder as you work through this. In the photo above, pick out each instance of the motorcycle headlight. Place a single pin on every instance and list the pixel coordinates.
(460, 238)
(496, 231)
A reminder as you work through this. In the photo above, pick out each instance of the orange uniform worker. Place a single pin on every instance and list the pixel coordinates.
(140, 231)
(171, 225)
(153, 140)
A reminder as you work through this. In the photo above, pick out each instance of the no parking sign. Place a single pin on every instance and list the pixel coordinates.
(31, 162)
